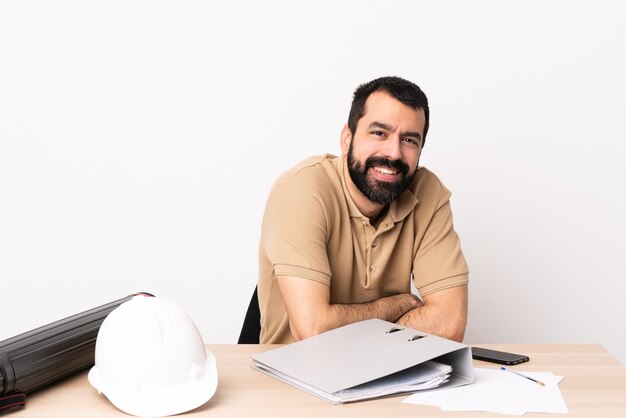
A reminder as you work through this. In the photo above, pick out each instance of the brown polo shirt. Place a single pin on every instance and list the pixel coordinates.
(312, 229)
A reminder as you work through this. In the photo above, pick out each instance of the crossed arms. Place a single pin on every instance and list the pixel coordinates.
(443, 313)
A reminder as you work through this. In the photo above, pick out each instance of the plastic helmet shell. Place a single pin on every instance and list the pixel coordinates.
(151, 361)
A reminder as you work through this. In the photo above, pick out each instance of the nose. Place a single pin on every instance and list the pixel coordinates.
(392, 148)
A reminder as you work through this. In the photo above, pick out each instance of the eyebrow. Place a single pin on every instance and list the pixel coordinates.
(387, 127)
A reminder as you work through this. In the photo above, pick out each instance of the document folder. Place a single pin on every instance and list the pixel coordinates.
(368, 359)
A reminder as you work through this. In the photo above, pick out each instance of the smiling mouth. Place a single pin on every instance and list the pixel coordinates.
(386, 171)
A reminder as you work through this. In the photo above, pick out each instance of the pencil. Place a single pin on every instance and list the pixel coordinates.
(523, 375)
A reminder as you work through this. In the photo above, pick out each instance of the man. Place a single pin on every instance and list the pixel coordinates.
(342, 237)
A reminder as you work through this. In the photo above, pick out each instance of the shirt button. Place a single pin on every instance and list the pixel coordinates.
(372, 269)
(374, 244)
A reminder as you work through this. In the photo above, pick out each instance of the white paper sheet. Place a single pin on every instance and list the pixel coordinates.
(499, 391)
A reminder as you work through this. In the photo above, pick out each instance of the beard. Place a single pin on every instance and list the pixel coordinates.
(380, 192)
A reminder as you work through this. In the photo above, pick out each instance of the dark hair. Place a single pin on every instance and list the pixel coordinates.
(400, 89)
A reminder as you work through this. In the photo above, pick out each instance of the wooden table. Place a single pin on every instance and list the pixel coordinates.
(594, 387)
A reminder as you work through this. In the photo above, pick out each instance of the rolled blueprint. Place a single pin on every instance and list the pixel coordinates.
(40, 357)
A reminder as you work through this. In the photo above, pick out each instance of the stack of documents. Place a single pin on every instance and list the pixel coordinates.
(368, 359)
(428, 375)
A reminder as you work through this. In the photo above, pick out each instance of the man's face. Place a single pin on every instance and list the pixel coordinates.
(383, 155)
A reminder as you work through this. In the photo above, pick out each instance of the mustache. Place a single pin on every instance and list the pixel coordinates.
(399, 165)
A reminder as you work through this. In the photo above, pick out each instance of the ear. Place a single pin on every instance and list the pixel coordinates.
(346, 138)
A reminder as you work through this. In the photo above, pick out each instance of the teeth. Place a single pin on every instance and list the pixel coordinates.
(384, 170)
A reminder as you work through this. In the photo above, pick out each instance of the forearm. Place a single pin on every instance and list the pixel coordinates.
(444, 314)
(390, 308)
(422, 319)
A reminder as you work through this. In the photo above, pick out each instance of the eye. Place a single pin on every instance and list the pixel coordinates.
(411, 140)
(378, 133)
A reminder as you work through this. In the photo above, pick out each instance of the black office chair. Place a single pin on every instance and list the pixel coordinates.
(251, 329)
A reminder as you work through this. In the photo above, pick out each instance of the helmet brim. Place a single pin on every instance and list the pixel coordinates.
(163, 401)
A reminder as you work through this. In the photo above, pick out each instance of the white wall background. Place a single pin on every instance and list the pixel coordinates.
(139, 140)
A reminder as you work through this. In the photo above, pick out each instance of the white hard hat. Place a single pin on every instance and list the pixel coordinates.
(151, 360)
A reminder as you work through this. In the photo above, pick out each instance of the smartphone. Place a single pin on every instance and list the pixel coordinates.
(500, 357)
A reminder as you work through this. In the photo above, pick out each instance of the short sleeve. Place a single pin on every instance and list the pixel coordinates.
(294, 233)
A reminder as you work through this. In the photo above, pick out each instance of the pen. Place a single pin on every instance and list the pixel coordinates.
(522, 375)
